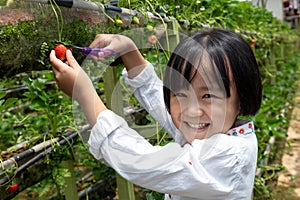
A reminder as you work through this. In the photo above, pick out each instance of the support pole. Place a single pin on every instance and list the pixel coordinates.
(125, 188)
(71, 188)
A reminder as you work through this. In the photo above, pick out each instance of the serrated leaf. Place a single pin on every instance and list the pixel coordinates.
(2, 94)
(9, 102)
(37, 104)
(4, 104)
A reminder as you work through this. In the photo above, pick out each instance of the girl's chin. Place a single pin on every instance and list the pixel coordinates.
(191, 136)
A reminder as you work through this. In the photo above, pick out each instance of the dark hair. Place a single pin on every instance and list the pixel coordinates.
(224, 49)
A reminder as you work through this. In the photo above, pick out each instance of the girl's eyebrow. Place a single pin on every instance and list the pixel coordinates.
(205, 88)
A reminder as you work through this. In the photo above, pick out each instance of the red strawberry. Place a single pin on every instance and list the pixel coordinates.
(60, 51)
(152, 39)
(13, 188)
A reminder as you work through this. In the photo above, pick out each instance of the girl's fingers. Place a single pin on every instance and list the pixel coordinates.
(101, 56)
(99, 41)
(57, 76)
(71, 60)
(58, 66)
(55, 70)
(56, 63)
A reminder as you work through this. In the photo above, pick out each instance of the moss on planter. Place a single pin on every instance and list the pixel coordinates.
(25, 45)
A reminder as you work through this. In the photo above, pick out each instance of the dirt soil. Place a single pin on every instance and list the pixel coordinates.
(10, 16)
(289, 179)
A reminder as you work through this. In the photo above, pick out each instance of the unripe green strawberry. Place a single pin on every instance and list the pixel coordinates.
(150, 27)
(119, 22)
(135, 20)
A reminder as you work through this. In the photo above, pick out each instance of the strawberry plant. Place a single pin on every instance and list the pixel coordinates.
(6, 103)
(51, 105)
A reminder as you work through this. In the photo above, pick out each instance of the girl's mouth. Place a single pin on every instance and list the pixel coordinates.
(198, 125)
(193, 131)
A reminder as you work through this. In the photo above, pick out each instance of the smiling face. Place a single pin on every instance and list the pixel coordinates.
(210, 79)
(203, 108)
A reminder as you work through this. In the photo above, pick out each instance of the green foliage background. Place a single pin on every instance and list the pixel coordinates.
(25, 48)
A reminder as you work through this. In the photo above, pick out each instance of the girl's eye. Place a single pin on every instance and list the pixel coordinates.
(180, 94)
(206, 96)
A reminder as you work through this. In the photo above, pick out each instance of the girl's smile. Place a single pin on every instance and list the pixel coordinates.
(197, 126)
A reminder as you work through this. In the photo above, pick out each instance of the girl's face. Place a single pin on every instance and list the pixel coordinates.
(203, 109)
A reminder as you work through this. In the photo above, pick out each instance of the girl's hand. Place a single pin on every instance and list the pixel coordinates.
(70, 77)
(72, 80)
(65, 75)
(118, 43)
(124, 47)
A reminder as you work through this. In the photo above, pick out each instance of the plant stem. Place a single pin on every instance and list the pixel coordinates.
(163, 22)
(59, 19)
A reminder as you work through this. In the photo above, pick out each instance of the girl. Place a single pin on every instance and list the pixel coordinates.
(212, 77)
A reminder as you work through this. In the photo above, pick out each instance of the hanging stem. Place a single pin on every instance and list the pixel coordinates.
(59, 18)
(106, 15)
(164, 24)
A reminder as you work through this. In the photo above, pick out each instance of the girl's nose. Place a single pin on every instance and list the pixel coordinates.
(194, 109)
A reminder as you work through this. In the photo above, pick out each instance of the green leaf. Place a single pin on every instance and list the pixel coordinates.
(37, 104)
(4, 104)
(2, 94)
(9, 102)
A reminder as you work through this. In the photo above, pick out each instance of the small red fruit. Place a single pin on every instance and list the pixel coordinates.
(152, 39)
(13, 188)
(60, 51)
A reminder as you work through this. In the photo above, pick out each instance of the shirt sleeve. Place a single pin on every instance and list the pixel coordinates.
(148, 90)
(206, 167)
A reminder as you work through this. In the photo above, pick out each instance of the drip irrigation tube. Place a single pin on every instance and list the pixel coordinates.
(95, 189)
(69, 4)
(17, 90)
(44, 147)
(99, 7)
(104, 8)
(266, 152)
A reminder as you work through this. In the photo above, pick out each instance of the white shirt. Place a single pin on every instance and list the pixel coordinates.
(220, 167)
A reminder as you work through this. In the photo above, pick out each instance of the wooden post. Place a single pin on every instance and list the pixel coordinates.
(174, 38)
(71, 188)
(125, 188)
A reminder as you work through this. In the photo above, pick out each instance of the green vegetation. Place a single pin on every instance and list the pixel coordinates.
(24, 61)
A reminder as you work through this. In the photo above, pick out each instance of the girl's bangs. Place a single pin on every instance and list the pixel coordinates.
(181, 72)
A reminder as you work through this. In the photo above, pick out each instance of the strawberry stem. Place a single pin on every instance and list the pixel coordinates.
(59, 18)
